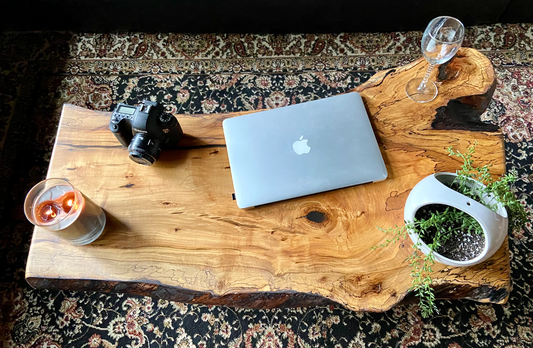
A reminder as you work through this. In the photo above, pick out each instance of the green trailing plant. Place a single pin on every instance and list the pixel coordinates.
(442, 224)
(499, 190)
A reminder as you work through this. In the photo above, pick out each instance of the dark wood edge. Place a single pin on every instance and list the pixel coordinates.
(464, 113)
(258, 300)
(255, 300)
(480, 293)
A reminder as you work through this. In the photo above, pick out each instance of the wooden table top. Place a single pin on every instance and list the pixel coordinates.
(173, 230)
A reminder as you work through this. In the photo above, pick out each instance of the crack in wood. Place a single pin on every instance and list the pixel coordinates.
(229, 221)
(91, 146)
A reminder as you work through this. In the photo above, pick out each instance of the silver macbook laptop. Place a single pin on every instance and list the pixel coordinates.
(302, 149)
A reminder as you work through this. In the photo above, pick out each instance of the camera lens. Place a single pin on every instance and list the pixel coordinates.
(144, 149)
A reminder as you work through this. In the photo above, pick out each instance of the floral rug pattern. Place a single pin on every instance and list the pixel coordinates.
(39, 72)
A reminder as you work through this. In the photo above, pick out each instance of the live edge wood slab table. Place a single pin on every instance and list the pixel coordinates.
(174, 232)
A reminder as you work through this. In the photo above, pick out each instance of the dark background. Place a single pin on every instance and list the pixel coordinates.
(254, 16)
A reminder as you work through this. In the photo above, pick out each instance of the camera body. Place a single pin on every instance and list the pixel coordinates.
(146, 130)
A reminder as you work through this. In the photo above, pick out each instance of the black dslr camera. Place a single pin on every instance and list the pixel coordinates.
(146, 130)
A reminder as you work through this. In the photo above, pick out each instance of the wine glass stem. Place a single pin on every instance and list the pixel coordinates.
(426, 78)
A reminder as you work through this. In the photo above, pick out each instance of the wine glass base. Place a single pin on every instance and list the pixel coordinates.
(423, 95)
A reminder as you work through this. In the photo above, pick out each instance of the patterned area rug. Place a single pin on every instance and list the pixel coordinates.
(224, 73)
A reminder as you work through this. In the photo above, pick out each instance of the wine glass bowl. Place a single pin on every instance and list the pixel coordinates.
(441, 40)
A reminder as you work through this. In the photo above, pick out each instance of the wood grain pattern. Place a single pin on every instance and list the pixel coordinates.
(174, 232)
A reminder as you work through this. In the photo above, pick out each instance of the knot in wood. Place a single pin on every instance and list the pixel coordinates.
(316, 216)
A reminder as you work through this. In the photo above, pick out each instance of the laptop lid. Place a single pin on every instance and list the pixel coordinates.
(302, 149)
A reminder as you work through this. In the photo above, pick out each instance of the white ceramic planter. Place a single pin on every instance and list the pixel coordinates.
(432, 190)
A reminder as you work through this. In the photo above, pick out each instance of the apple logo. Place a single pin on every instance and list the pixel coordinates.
(300, 146)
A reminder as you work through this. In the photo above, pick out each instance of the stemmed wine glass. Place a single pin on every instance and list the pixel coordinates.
(441, 40)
